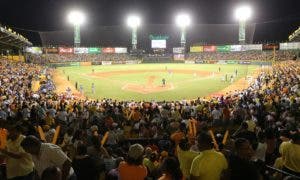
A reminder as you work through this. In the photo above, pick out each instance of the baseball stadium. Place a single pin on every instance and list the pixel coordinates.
(146, 98)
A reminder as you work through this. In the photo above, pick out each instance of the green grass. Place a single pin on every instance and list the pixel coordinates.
(185, 85)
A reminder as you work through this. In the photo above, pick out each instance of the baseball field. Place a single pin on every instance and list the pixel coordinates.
(145, 81)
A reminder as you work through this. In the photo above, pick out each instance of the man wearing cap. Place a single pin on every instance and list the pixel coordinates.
(132, 168)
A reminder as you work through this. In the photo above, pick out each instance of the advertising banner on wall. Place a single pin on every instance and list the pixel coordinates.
(81, 50)
(50, 50)
(178, 57)
(120, 50)
(252, 47)
(194, 49)
(199, 62)
(209, 48)
(34, 50)
(106, 62)
(221, 62)
(64, 50)
(245, 62)
(292, 45)
(234, 48)
(270, 46)
(94, 50)
(108, 50)
(178, 50)
(225, 48)
(231, 62)
(189, 62)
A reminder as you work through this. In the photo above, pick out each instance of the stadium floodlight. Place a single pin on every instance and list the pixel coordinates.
(242, 13)
(134, 21)
(183, 21)
(76, 18)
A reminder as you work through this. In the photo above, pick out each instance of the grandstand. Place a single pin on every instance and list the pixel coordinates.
(295, 36)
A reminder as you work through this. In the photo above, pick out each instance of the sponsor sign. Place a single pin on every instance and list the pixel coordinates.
(231, 62)
(94, 50)
(74, 64)
(106, 62)
(120, 50)
(189, 62)
(235, 48)
(209, 48)
(81, 50)
(132, 62)
(118, 62)
(178, 57)
(50, 50)
(245, 62)
(252, 47)
(292, 45)
(196, 49)
(108, 50)
(63, 50)
(178, 50)
(270, 46)
(199, 62)
(221, 62)
(223, 48)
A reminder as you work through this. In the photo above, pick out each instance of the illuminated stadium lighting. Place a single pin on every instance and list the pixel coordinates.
(243, 13)
(183, 20)
(76, 17)
(133, 21)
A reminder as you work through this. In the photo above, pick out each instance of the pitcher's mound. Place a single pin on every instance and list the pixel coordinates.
(146, 89)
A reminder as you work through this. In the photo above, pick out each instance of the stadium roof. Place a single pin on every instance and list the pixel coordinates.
(9, 38)
(295, 36)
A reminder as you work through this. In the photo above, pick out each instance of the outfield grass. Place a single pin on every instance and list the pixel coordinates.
(186, 86)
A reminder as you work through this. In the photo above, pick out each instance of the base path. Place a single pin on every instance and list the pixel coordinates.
(238, 85)
(62, 83)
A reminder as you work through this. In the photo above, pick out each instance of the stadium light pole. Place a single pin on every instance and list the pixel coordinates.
(134, 22)
(76, 18)
(183, 21)
(242, 14)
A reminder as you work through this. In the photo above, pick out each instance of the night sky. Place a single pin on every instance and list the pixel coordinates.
(276, 19)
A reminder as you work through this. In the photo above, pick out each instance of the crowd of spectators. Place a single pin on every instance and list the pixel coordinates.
(60, 58)
(109, 139)
(244, 55)
(204, 56)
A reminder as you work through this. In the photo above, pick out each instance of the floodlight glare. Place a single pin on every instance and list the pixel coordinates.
(133, 21)
(76, 17)
(243, 13)
(183, 20)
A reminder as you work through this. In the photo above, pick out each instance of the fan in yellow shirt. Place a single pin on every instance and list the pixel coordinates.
(185, 157)
(209, 164)
(291, 154)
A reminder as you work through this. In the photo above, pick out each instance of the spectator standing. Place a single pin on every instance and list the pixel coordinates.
(45, 155)
(209, 164)
(19, 164)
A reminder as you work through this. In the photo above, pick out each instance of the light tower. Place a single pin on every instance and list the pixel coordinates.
(242, 14)
(134, 22)
(183, 21)
(76, 18)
